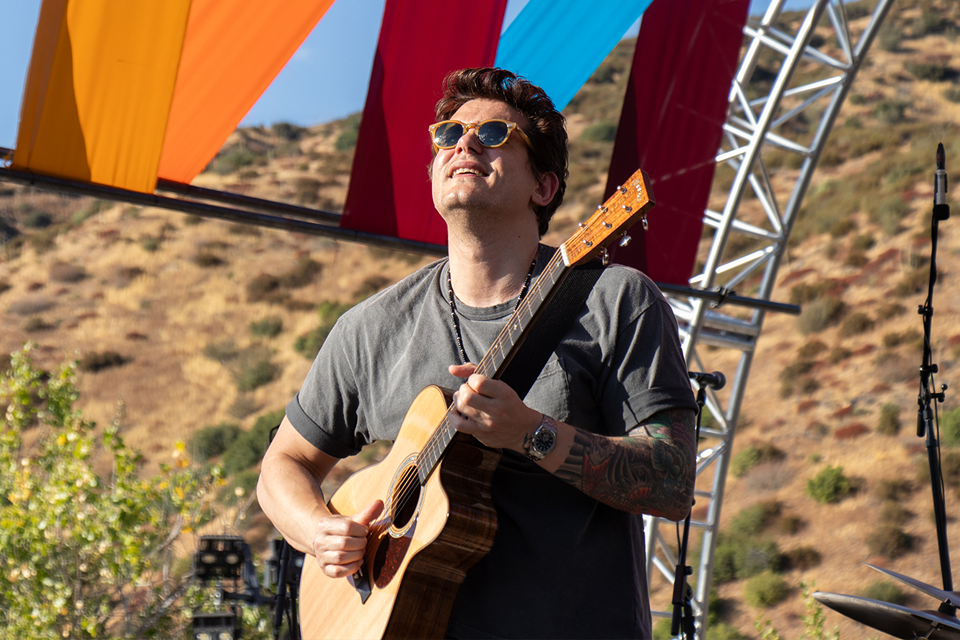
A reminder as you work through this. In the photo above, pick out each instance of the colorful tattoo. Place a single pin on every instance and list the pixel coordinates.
(651, 470)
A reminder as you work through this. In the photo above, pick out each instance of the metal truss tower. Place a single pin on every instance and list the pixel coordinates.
(812, 70)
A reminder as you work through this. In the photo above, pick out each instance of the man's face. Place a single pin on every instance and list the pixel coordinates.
(473, 178)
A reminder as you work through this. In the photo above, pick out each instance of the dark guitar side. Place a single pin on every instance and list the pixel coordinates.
(453, 529)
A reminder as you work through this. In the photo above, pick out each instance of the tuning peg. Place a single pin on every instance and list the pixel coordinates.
(643, 221)
(605, 259)
(625, 240)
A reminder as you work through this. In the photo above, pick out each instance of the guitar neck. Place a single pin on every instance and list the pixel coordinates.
(500, 353)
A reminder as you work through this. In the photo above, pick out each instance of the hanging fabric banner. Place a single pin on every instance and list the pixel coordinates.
(233, 51)
(98, 90)
(421, 41)
(558, 44)
(672, 122)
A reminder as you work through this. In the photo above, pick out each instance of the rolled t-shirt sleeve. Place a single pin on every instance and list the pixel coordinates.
(327, 411)
(652, 369)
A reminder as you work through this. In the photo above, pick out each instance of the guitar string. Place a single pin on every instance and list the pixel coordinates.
(404, 491)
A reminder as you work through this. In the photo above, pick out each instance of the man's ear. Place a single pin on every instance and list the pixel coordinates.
(546, 189)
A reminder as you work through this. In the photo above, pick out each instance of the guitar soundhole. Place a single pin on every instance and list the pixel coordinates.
(394, 543)
(406, 498)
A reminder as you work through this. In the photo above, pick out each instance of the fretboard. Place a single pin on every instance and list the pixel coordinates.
(499, 355)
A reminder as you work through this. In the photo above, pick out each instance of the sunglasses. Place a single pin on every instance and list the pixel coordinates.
(490, 133)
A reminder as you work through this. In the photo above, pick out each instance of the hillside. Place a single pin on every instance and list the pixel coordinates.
(181, 323)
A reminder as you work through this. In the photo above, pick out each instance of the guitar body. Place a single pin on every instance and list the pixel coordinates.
(413, 567)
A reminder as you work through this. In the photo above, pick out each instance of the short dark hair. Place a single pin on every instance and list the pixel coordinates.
(547, 130)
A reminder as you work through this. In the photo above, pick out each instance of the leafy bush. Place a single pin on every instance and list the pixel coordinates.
(885, 591)
(931, 71)
(952, 94)
(602, 131)
(207, 259)
(248, 449)
(765, 590)
(213, 440)
(811, 349)
(855, 324)
(222, 351)
(308, 344)
(233, 160)
(304, 273)
(85, 555)
(890, 111)
(95, 361)
(254, 369)
(950, 427)
(269, 327)
(754, 519)
(288, 131)
(36, 219)
(888, 423)
(802, 558)
(264, 288)
(752, 456)
(894, 489)
(889, 214)
(889, 540)
(829, 486)
(820, 314)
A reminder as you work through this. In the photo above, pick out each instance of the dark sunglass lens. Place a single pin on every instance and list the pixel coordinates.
(446, 135)
(492, 133)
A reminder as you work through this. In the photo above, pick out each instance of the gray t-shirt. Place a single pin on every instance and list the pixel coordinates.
(563, 565)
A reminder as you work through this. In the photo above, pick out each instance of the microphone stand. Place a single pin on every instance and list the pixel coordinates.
(925, 422)
(682, 600)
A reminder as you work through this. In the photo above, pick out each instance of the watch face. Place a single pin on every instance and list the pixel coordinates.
(543, 440)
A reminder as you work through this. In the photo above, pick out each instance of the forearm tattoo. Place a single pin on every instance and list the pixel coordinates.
(651, 470)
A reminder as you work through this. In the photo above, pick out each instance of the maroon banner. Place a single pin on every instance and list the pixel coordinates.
(421, 41)
(672, 122)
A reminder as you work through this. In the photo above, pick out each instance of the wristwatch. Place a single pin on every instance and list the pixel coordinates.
(543, 440)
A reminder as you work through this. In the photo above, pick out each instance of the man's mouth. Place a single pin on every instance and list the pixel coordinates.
(467, 171)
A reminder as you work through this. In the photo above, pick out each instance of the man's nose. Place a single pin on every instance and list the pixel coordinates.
(469, 141)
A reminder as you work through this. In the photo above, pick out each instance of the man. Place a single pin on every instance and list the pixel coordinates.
(605, 433)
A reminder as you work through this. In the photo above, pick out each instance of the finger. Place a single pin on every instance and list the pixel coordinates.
(462, 370)
(369, 514)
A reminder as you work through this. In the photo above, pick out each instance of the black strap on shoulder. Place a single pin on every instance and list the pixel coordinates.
(551, 326)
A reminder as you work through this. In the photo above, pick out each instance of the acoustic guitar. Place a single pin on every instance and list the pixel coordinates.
(438, 519)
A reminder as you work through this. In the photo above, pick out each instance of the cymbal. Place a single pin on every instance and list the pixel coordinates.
(951, 597)
(892, 619)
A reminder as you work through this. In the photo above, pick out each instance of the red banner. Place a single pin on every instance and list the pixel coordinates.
(671, 125)
(421, 41)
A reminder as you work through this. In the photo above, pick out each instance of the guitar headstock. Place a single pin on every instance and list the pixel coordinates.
(629, 203)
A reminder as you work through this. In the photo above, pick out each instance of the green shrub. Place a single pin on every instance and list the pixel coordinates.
(207, 259)
(802, 558)
(889, 37)
(754, 519)
(233, 160)
(765, 590)
(856, 324)
(931, 22)
(264, 288)
(889, 540)
(213, 440)
(304, 273)
(811, 349)
(820, 314)
(36, 219)
(931, 71)
(248, 449)
(894, 489)
(255, 371)
(885, 591)
(888, 423)
(288, 131)
(842, 227)
(889, 214)
(829, 486)
(150, 243)
(952, 94)
(602, 131)
(890, 111)
(99, 360)
(222, 351)
(268, 327)
(736, 557)
(950, 427)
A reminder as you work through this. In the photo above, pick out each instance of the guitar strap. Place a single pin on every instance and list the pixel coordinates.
(555, 319)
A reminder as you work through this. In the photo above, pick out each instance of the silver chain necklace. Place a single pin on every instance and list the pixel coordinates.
(453, 306)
